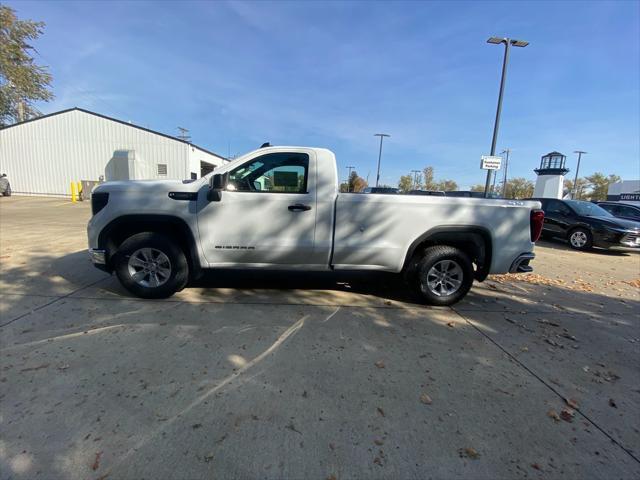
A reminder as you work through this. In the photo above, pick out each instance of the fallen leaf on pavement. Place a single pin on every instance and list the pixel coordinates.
(379, 364)
(469, 452)
(426, 399)
(39, 367)
(332, 477)
(196, 425)
(570, 337)
(208, 458)
(549, 322)
(571, 402)
(378, 442)
(450, 324)
(567, 414)
(553, 414)
(96, 462)
(381, 411)
(612, 403)
(536, 466)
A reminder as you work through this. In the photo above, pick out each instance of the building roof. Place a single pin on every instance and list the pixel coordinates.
(554, 154)
(114, 120)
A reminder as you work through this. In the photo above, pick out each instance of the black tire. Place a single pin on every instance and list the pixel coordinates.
(179, 268)
(579, 235)
(432, 256)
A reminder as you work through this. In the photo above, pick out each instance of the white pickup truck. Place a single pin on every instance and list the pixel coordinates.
(279, 208)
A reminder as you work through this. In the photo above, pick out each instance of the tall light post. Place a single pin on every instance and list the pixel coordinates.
(349, 178)
(575, 181)
(381, 135)
(415, 178)
(508, 42)
(506, 172)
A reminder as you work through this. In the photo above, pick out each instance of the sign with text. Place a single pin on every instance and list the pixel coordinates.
(490, 163)
(633, 197)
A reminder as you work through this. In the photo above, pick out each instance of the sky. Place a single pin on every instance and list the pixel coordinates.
(332, 74)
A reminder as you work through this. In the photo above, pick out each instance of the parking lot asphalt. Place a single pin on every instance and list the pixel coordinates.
(292, 375)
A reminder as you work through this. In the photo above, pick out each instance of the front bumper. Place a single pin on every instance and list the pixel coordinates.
(521, 264)
(608, 239)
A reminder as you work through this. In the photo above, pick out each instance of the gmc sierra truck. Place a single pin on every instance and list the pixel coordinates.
(279, 208)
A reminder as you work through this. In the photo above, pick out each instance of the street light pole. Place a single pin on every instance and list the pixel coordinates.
(496, 126)
(349, 179)
(415, 178)
(506, 172)
(381, 135)
(575, 181)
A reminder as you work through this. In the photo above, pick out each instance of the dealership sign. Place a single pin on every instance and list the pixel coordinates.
(632, 197)
(490, 163)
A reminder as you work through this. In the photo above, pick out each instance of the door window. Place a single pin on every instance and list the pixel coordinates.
(610, 208)
(558, 208)
(273, 173)
(629, 212)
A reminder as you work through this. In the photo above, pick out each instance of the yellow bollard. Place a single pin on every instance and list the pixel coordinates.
(73, 192)
(79, 190)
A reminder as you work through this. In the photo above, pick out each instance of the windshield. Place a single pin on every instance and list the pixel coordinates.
(588, 209)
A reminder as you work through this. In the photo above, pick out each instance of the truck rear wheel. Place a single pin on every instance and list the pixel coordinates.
(444, 275)
(150, 265)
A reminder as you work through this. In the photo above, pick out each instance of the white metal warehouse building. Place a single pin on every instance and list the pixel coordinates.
(42, 156)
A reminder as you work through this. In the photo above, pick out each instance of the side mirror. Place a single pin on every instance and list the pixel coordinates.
(217, 183)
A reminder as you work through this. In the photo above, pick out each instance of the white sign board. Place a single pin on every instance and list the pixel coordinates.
(490, 163)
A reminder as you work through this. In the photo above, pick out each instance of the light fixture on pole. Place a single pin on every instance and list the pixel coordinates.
(508, 42)
(381, 135)
(506, 172)
(575, 181)
(349, 178)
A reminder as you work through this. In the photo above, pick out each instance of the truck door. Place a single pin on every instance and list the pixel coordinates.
(266, 215)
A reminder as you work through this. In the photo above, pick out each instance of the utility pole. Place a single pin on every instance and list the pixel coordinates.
(349, 179)
(508, 42)
(184, 134)
(575, 181)
(506, 172)
(415, 178)
(381, 135)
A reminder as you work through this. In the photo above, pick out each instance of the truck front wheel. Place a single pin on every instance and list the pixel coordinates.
(151, 265)
(444, 275)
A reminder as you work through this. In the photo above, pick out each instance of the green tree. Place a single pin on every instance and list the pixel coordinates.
(477, 188)
(22, 81)
(446, 185)
(599, 185)
(428, 182)
(582, 186)
(518, 188)
(355, 183)
(405, 184)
